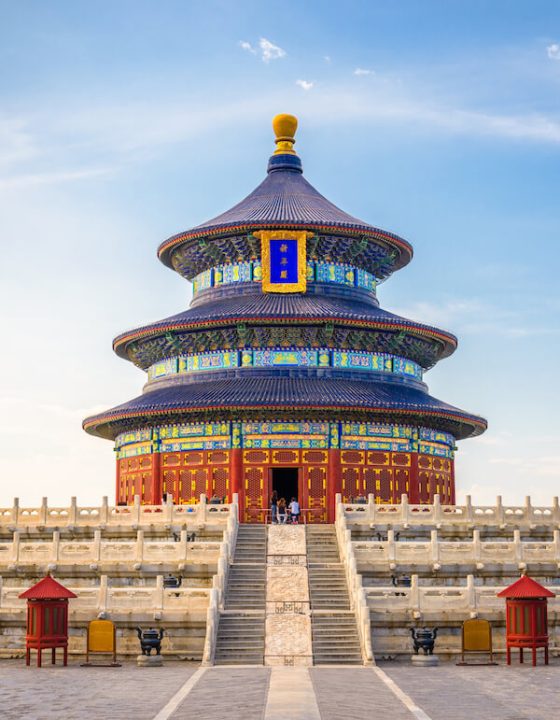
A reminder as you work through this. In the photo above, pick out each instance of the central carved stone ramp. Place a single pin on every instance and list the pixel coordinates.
(241, 630)
(333, 626)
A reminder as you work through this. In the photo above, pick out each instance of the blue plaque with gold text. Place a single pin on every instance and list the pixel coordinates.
(284, 260)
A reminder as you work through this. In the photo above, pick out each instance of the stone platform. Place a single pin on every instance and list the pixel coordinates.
(179, 690)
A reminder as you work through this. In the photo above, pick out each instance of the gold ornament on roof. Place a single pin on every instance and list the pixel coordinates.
(285, 127)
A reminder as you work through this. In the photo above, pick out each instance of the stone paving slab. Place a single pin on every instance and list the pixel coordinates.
(446, 692)
(227, 692)
(449, 692)
(76, 693)
(356, 693)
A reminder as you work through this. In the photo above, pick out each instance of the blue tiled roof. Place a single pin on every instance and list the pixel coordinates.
(319, 308)
(290, 393)
(286, 197)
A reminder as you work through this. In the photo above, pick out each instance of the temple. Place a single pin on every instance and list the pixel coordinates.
(284, 373)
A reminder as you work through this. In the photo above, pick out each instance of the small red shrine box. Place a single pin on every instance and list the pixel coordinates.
(47, 618)
(526, 617)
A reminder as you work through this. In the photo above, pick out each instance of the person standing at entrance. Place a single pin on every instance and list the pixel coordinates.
(274, 507)
(294, 511)
(282, 511)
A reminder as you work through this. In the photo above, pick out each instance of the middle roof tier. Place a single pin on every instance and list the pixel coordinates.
(250, 319)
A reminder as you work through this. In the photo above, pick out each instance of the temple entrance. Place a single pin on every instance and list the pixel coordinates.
(285, 482)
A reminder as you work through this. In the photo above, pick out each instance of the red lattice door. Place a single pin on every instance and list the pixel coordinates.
(253, 480)
(316, 491)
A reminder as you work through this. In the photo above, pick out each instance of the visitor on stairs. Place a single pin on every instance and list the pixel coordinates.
(294, 511)
(274, 508)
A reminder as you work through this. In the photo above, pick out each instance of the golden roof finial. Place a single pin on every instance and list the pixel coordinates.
(284, 127)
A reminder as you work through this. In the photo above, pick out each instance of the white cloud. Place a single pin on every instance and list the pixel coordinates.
(553, 51)
(247, 46)
(363, 71)
(270, 51)
(304, 84)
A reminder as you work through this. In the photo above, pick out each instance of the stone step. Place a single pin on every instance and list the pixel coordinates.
(236, 660)
(229, 645)
(337, 660)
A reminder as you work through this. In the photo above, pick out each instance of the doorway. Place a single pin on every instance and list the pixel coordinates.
(285, 482)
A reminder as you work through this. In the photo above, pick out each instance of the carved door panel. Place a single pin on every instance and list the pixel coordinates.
(386, 483)
(401, 483)
(372, 481)
(316, 491)
(199, 482)
(220, 482)
(351, 482)
(170, 484)
(253, 480)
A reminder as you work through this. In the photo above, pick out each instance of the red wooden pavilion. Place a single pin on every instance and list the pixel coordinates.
(526, 617)
(47, 618)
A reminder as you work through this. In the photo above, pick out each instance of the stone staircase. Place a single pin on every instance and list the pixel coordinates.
(241, 631)
(243, 625)
(240, 639)
(251, 545)
(333, 626)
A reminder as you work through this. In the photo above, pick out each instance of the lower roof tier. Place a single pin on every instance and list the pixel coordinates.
(285, 397)
(258, 309)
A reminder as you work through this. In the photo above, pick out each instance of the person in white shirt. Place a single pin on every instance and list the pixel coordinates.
(294, 511)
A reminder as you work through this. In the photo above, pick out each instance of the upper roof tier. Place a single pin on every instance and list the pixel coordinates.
(284, 200)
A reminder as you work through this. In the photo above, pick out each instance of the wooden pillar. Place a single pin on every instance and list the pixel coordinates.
(413, 481)
(236, 475)
(452, 483)
(334, 483)
(118, 498)
(156, 494)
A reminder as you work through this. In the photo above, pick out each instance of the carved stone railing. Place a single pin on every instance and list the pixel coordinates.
(443, 602)
(117, 603)
(358, 600)
(219, 584)
(101, 554)
(468, 515)
(435, 553)
(107, 516)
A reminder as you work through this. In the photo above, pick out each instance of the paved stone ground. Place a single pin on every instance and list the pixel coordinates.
(227, 692)
(344, 693)
(241, 693)
(75, 693)
(485, 693)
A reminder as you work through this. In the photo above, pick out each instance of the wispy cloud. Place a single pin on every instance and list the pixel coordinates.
(270, 51)
(327, 59)
(267, 49)
(553, 51)
(363, 71)
(247, 46)
(304, 84)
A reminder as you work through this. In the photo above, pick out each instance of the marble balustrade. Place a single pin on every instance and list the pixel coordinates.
(468, 515)
(108, 516)
(437, 553)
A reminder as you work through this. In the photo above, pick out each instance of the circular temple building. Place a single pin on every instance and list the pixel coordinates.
(284, 373)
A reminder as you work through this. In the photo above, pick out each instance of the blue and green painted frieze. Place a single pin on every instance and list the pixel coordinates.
(284, 435)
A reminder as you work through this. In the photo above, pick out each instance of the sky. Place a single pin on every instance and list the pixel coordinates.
(125, 122)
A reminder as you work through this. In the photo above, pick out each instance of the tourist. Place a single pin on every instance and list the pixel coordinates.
(294, 511)
(274, 508)
(282, 510)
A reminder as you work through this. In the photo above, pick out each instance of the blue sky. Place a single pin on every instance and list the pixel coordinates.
(122, 123)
